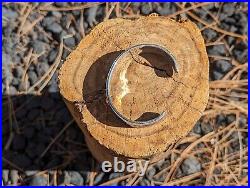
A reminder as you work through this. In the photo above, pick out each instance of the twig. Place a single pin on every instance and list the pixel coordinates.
(188, 9)
(81, 27)
(79, 7)
(243, 37)
(110, 11)
(185, 179)
(50, 72)
(12, 164)
(110, 182)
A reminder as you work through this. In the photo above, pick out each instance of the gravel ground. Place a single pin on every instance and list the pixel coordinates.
(41, 143)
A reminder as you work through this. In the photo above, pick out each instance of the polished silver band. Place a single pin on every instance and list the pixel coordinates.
(134, 123)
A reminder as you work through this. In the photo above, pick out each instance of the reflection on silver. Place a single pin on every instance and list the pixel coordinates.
(135, 123)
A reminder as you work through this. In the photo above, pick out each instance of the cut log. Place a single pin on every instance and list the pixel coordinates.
(183, 95)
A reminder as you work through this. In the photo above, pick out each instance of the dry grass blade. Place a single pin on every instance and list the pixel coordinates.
(12, 164)
(78, 7)
(212, 164)
(81, 28)
(192, 7)
(116, 180)
(46, 77)
(110, 11)
(25, 30)
(133, 180)
(185, 179)
(243, 37)
(185, 153)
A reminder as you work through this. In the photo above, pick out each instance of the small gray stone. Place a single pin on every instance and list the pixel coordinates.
(3, 88)
(8, 13)
(164, 10)
(150, 173)
(99, 178)
(32, 77)
(18, 142)
(29, 132)
(145, 9)
(14, 177)
(18, 72)
(65, 54)
(39, 149)
(38, 46)
(91, 15)
(245, 141)
(76, 12)
(42, 68)
(229, 9)
(53, 162)
(31, 172)
(52, 56)
(230, 118)
(144, 182)
(197, 128)
(15, 82)
(190, 165)
(223, 66)
(62, 115)
(61, 4)
(222, 17)
(78, 37)
(12, 91)
(21, 114)
(217, 50)
(30, 150)
(179, 173)
(48, 20)
(5, 175)
(24, 86)
(39, 180)
(47, 103)
(22, 161)
(6, 72)
(209, 34)
(54, 28)
(33, 114)
(75, 178)
(233, 29)
(53, 88)
(63, 34)
(206, 128)
(217, 75)
(230, 40)
(242, 121)
(221, 120)
(66, 178)
(71, 133)
(115, 175)
(57, 14)
(70, 42)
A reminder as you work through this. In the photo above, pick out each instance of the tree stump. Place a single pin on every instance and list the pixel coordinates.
(153, 87)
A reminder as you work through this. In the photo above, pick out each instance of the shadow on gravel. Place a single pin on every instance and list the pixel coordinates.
(36, 136)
